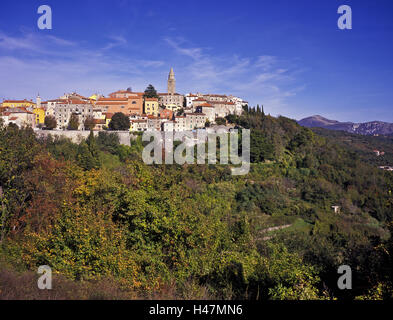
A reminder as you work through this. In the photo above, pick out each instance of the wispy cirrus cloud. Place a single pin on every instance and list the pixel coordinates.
(266, 79)
(32, 62)
(194, 53)
(25, 42)
(265, 62)
(51, 65)
(116, 41)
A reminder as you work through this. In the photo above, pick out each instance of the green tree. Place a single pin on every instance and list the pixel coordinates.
(221, 121)
(88, 153)
(150, 92)
(108, 141)
(50, 122)
(119, 122)
(91, 142)
(89, 123)
(73, 124)
(260, 149)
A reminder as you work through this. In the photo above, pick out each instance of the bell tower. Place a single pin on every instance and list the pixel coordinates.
(38, 100)
(171, 82)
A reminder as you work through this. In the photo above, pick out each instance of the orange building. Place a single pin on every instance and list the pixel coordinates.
(125, 94)
(128, 106)
(166, 114)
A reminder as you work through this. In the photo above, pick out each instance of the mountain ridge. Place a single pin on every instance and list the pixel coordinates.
(366, 128)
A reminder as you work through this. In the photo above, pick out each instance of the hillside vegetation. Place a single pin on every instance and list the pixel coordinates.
(111, 226)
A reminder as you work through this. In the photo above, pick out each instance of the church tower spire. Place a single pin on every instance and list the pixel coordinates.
(38, 101)
(171, 82)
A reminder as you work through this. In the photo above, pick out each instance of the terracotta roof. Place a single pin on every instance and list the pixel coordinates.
(206, 105)
(112, 99)
(73, 101)
(99, 121)
(215, 95)
(120, 91)
(129, 92)
(103, 103)
(151, 99)
(108, 115)
(13, 118)
(80, 96)
(18, 101)
(200, 99)
(20, 110)
(221, 102)
(56, 100)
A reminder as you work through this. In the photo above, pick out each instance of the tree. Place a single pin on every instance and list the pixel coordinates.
(88, 153)
(108, 141)
(221, 121)
(261, 149)
(119, 122)
(73, 124)
(50, 122)
(89, 123)
(91, 142)
(150, 92)
(231, 118)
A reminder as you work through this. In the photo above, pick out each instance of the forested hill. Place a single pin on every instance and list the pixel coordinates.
(113, 227)
(363, 146)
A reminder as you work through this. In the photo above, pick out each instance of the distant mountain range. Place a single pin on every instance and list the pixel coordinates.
(367, 128)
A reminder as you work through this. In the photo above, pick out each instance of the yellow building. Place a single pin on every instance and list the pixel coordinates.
(18, 103)
(151, 106)
(108, 118)
(172, 107)
(39, 115)
(93, 97)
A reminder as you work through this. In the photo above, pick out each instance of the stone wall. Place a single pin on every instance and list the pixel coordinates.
(77, 136)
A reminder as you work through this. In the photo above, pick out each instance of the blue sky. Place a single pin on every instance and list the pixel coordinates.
(288, 55)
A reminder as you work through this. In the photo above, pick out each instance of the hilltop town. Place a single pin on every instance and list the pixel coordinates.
(147, 110)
